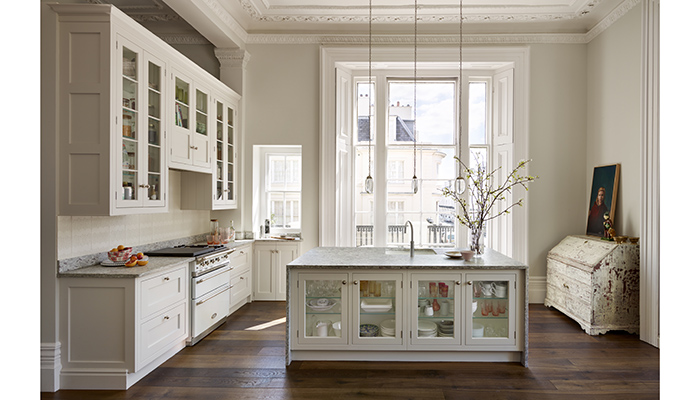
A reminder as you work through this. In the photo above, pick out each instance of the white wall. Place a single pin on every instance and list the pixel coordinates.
(556, 201)
(282, 108)
(614, 114)
(79, 236)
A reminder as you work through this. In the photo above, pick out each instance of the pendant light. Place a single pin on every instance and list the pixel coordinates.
(414, 181)
(369, 182)
(460, 182)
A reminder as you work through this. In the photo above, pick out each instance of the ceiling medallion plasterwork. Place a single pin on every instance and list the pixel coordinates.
(496, 17)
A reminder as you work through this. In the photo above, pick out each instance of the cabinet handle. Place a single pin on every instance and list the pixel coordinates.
(166, 317)
(193, 147)
(469, 283)
(167, 278)
(344, 282)
(355, 282)
(214, 315)
(458, 283)
(566, 286)
(242, 278)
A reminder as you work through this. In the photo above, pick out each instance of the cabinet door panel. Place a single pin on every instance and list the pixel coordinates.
(436, 309)
(493, 298)
(377, 310)
(323, 305)
(264, 272)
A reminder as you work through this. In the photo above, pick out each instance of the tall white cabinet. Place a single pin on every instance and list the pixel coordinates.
(128, 108)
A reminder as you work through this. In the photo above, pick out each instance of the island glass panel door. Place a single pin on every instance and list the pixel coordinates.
(377, 309)
(323, 304)
(436, 308)
(492, 299)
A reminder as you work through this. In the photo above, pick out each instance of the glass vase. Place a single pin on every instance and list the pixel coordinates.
(476, 241)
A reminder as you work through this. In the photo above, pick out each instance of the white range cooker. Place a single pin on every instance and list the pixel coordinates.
(209, 299)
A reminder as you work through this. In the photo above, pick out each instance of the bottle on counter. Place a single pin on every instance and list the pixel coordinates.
(232, 232)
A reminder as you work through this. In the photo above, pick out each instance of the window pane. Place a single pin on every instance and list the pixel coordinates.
(477, 113)
(435, 113)
(365, 107)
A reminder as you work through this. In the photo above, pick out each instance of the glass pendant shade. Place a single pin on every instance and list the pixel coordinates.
(460, 185)
(369, 184)
(414, 184)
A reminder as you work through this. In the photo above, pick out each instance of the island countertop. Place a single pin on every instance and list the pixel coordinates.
(386, 258)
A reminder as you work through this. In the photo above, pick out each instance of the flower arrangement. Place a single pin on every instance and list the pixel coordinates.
(483, 193)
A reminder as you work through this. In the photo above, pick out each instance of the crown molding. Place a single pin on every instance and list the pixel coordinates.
(423, 39)
(183, 39)
(611, 18)
(237, 58)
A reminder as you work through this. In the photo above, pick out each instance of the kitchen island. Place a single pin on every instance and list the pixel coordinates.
(377, 304)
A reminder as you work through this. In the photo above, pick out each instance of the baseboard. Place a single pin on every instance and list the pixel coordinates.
(50, 355)
(537, 289)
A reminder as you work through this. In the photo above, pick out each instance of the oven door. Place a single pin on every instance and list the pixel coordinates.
(208, 312)
(204, 284)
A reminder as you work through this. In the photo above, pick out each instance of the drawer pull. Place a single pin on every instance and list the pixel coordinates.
(166, 317)
(565, 285)
(167, 278)
(214, 315)
(242, 278)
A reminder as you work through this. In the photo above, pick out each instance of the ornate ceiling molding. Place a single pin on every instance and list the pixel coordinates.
(236, 58)
(610, 19)
(500, 14)
(154, 12)
(182, 39)
(423, 39)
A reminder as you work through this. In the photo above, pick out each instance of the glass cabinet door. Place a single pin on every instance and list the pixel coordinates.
(492, 313)
(220, 163)
(182, 103)
(230, 159)
(377, 309)
(436, 308)
(130, 133)
(155, 153)
(324, 303)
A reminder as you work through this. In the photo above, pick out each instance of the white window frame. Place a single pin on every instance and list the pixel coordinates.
(261, 155)
(335, 58)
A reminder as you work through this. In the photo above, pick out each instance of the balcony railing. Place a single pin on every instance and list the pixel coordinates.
(437, 235)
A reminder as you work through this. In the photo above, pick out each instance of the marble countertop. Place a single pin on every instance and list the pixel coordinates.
(370, 257)
(154, 266)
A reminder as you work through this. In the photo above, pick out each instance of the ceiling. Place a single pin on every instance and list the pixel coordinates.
(237, 22)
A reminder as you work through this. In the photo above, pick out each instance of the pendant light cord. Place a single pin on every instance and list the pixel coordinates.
(369, 98)
(415, 83)
(459, 82)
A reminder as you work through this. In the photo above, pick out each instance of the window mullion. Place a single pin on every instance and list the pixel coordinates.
(380, 201)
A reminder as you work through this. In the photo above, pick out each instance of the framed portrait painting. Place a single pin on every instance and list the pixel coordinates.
(603, 198)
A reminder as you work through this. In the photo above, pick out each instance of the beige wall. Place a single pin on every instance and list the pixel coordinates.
(614, 114)
(557, 147)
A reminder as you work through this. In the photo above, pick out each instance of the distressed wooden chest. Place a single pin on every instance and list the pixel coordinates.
(595, 282)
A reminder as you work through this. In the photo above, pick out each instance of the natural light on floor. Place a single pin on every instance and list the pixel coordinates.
(267, 324)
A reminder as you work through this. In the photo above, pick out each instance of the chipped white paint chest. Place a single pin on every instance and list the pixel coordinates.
(595, 282)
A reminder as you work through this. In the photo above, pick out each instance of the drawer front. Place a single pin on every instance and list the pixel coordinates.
(240, 260)
(575, 307)
(204, 284)
(163, 291)
(160, 332)
(241, 286)
(573, 273)
(208, 310)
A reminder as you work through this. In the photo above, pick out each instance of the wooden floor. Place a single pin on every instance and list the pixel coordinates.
(232, 363)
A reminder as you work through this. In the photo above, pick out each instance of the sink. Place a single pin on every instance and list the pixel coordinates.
(407, 251)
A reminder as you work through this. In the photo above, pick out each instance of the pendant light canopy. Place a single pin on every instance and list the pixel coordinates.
(369, 182)
(414, 181)
(460, 182)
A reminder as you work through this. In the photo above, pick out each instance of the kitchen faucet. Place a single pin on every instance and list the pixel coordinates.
(413, 250)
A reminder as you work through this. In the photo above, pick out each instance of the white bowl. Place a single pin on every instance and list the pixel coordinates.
(478, 330)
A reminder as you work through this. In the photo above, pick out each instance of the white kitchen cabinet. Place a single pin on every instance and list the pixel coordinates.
(110, 108)
(240, 278)
(129, 107)
(190, 141)
(452, 333)
(269, 268)
(218, 190)
(114, 331)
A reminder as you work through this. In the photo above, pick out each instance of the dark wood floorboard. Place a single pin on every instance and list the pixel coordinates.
(232, 363)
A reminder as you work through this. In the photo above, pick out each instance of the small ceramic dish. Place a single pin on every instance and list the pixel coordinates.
(467, 254)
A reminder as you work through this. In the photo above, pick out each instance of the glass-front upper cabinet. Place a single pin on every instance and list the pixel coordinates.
(492, 317)
(377, 309)
(220, 151)
(141, 109)
(436, 300)
(323, 300)
(232, 115)
(189, 138)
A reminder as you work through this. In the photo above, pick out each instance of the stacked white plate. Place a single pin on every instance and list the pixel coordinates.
(446, 328)
(427, 329)
(388, 328)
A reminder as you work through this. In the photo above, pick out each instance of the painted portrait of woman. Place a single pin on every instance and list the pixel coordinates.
(603, 198)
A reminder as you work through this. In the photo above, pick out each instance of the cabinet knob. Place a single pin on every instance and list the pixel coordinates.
(355, 282)
(344, 282)
(242, 278)
(193, 147)
(166, 317)
(469, 283)
(167, 278)
(566, 286)
(457, 283)
(214, 315)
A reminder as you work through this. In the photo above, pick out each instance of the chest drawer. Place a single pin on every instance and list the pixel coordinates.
(162, 291)
(161, 331)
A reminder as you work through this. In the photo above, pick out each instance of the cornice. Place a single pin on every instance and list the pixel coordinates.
(182, 39)
(611, 18)
(423, 39)
(232, 57)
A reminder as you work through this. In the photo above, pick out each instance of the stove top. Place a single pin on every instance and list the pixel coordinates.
(185, 251)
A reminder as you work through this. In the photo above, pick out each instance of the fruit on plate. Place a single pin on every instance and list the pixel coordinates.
(139, 256)
(142, 262)
(131, 263)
